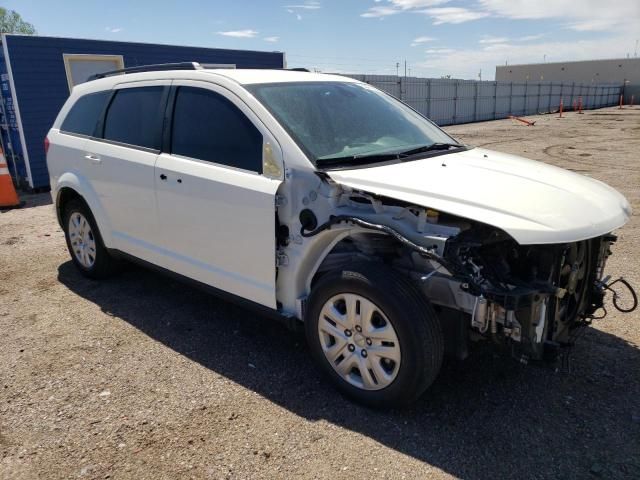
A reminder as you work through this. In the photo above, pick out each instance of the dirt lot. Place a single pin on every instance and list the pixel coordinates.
(141, 377)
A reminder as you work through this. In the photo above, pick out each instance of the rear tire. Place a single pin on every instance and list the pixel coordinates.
(85, 243)
(386, 374)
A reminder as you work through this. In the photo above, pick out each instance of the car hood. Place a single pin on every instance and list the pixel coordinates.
(533, 202)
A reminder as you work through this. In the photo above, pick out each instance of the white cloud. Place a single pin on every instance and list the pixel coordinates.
(307, 6)
(466, 63)
(453, 15)
(530, 38)
(489, 39)
(584, 15)
(430, 8)
(420, 40)
(271, 39)
(310, 5)
(239, 33)
(412, 4)
(595, 24)
(113, 29)
(398, 6)
(375, 12)
(439, 51)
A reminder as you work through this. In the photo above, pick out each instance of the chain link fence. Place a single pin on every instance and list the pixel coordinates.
(450, 101)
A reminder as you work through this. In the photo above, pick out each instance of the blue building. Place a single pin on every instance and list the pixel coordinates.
(37, 73)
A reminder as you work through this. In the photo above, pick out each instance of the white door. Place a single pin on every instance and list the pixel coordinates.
(216, 209)
(122, 163)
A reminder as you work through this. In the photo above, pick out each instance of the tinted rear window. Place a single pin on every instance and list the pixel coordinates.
(84, 114)
(135, 117)
(209, 127)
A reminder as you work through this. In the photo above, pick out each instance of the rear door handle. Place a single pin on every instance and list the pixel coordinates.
(92, 158)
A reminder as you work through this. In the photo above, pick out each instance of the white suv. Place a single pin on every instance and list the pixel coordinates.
(326, 201)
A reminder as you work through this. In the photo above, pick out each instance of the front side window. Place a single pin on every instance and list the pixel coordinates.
(209, 127)
(135, 117)
(338, 122)
(85, 113)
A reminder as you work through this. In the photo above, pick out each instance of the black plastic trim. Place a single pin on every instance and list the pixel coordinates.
(167, 121)
(158, 67)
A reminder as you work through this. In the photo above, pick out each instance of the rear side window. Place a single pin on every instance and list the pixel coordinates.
(85, 113)
(135, 117)
(209, 127)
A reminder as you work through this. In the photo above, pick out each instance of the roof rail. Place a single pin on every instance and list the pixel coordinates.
(160, 67)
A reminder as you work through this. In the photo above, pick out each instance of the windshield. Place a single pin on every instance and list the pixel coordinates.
(340, 123)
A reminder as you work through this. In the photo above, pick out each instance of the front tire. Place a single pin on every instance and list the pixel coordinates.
(85, 243)
(374, 334)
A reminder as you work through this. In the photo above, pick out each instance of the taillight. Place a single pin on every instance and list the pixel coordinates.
(46, 145)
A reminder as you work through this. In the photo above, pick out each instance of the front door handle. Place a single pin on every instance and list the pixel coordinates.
(163, 176)
(92, 158)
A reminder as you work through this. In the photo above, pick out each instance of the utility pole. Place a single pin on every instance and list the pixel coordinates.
(405, 69)
(397, 69)
(480, 75)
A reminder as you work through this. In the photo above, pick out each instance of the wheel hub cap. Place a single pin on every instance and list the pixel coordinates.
(359, 341)
(82, 241)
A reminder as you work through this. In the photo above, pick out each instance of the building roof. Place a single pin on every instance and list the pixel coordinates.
(596, 60)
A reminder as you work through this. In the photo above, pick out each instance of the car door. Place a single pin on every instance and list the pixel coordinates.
(216, 208)
(122, 161)
(67, 151)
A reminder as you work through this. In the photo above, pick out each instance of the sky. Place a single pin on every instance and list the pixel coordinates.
(463, 39)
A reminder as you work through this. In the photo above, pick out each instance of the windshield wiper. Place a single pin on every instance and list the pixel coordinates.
(357, 159)
(429, 148)
(365, 158)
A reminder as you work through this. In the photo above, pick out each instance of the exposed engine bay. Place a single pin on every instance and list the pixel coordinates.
(530, 299)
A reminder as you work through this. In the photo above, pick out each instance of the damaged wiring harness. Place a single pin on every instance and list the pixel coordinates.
(426, 252)
(452, 267)
(603, 285)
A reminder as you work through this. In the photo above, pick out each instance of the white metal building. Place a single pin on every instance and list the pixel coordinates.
(616, 71)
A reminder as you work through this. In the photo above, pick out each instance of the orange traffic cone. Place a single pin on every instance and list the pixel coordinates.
(8, 196)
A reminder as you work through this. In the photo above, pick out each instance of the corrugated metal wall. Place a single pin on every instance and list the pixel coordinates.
(449, 102)
(41, 83)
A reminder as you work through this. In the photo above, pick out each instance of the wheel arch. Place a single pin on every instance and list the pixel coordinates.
(71, 186)
(294, 286)
(357, 236)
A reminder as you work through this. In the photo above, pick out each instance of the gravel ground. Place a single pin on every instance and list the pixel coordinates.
(142, 377)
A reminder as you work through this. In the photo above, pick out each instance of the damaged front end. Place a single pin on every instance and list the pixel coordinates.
(532, 300)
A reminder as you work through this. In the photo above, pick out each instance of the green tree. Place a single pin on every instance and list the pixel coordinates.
(12, 22)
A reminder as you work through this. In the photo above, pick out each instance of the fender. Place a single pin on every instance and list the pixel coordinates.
(83, 187)
(294, 285)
